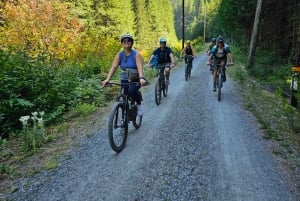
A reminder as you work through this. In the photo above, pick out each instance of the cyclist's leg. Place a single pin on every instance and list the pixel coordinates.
(214, 69)
(223, 63)
(167, 71)
(125, 87)
(133, 92)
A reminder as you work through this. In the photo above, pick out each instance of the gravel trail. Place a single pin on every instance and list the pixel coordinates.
(190, 147)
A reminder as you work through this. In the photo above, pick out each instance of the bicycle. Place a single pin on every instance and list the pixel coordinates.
(188, 66)
(122, 113)
(160, 83)
(219, 78)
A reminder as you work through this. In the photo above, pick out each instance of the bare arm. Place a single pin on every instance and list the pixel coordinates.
(139, 64)
(113, 69)
(182, 51)
(150, 59)
(194, 52)
(172, 59)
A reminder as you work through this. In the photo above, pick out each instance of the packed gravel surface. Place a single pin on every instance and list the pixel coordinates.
(190, 147)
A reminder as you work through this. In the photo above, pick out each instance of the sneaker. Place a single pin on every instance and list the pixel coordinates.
(140, 109)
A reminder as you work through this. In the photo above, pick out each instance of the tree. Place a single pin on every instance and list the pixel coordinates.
(39, 27)
(254, 34)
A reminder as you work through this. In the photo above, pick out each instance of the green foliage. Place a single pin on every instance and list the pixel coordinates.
(85, 109)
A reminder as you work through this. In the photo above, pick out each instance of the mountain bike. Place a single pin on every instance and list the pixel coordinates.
(160, 83)
(188, 66)
(219, 78)
(122, 113)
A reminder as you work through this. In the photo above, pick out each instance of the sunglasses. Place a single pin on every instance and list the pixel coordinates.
(126, 40)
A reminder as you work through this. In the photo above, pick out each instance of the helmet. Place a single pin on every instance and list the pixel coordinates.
(220, 40)
(188, 42)
(213, 40)
(130, 37)
(162, 40)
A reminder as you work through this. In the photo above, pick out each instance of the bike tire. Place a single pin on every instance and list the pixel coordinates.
(189, 70)
(157, 92)
(117, 127)
(165, 89)
(186, 72)
(219, 86)
(137, 122)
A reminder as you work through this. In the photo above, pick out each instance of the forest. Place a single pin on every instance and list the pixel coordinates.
(54, 53)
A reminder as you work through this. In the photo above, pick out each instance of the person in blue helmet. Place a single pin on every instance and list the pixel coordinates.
(165, 57)
(129, 59)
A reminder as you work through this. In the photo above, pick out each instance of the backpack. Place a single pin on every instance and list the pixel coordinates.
(154, 61)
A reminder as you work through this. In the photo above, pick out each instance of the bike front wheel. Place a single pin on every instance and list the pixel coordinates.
(189, 70)
(157, 92)
(219, 86)
(117, 127)
(186, 72)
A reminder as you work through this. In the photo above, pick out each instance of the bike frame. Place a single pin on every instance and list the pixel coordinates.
(188, 66)
(118, 127)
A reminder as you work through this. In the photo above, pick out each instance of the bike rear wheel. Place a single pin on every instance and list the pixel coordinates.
(157, 92)
(165, 88)
(137, 122)
(117, 127)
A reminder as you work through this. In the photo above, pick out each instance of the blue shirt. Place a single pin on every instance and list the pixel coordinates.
(127, 62)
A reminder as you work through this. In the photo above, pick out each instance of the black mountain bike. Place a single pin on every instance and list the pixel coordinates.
(219, 78)
(188, 66)
(123, 111)
(160, 83)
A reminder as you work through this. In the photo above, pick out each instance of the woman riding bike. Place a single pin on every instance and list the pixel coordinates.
(131, 64)
(188, 50)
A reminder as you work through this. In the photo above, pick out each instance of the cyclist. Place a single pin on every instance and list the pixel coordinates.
(164, 55)
(219, 54)
(208, 51)
(188, 50)
(213, 43)
(129, 59)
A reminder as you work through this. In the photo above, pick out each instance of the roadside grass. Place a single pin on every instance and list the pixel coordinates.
(278, 119)
(83, 121)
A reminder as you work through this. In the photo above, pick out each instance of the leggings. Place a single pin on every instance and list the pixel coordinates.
(133, 91)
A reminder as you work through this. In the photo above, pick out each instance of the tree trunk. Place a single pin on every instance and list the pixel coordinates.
(254, 34)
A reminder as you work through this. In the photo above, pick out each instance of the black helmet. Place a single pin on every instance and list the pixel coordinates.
(220, 40)
(213, 40)
(126, 36)
(162, 40)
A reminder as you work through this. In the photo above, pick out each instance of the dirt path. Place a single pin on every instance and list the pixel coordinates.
(191, 147)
